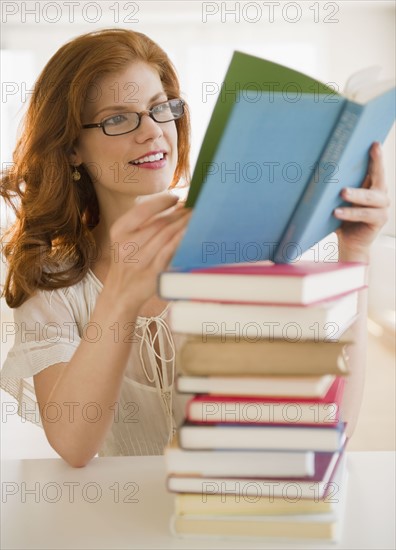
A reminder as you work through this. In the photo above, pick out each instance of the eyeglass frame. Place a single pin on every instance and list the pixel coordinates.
(148, 112)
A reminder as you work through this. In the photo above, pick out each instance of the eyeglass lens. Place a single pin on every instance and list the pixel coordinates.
(126, 122)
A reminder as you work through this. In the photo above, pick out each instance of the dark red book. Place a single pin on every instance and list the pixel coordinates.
(213, 409)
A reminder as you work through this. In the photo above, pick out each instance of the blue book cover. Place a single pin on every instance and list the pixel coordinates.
(346, 155)
(272, 165)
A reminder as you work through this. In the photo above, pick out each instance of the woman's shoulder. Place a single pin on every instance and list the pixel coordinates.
(77, 300)
(81, 296)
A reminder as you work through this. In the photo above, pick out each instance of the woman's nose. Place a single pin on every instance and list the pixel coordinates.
(147, 129)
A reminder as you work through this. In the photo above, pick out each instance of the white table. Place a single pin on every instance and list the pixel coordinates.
(47, 504)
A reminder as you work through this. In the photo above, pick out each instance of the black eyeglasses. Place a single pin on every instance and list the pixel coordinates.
(123, 123)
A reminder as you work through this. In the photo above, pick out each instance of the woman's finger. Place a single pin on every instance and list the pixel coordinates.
(370, 216)
(374, 198)
(157, 225)
(375, 172)
(164, 256)
(178, 207)
(153, 247)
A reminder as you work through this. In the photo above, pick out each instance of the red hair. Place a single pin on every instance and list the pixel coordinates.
(51, 245)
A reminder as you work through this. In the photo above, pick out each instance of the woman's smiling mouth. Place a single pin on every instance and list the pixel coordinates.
(153, 160)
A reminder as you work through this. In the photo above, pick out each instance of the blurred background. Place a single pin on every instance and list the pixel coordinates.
(328, 41)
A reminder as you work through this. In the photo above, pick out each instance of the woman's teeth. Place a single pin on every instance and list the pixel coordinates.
(149, 158)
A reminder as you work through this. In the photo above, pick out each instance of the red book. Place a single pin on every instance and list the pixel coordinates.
(321, 411)
(259, 283)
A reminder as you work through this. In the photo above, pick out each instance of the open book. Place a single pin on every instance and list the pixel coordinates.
(278, 149)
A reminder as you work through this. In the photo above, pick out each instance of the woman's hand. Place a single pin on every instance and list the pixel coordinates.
(144, 240)
(363, 220)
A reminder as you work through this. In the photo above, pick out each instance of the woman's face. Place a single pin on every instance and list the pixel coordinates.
(111, 160)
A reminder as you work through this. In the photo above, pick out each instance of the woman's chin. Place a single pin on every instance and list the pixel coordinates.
(150, 187)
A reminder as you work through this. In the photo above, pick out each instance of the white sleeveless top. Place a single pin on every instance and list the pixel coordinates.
(49, 327)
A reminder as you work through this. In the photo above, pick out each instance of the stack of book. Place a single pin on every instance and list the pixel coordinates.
(260, 452)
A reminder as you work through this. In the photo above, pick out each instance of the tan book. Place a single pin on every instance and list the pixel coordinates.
(213, 356)
(245, 505)
(318, 526)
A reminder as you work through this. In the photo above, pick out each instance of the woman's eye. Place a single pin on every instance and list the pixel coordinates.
(161, 107)
(116, 119)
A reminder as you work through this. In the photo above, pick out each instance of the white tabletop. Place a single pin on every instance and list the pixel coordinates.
(122, 502)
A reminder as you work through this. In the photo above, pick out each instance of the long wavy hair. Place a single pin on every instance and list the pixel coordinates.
(51, 244)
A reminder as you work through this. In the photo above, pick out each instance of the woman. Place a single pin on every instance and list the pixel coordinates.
(106, 135)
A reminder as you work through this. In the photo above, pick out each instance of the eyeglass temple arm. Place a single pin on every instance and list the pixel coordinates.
(97, 125)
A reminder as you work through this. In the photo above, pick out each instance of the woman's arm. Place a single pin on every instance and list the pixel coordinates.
(95, 372)
(93, 375)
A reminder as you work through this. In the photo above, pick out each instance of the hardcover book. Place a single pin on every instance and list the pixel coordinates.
(278, 149)
(277, 386)
(212, 409)
(316, 486)
(251, 322)
(269, 437)
(242, 463)
(242, 505)
(303, 283)
(216, 356)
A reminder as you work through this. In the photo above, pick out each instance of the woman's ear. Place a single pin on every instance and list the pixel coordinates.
(74, 157)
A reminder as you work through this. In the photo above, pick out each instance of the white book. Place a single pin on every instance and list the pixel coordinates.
(275, 438)
(285, 386)
(253, 322)
(239, 463)
(313, 487)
